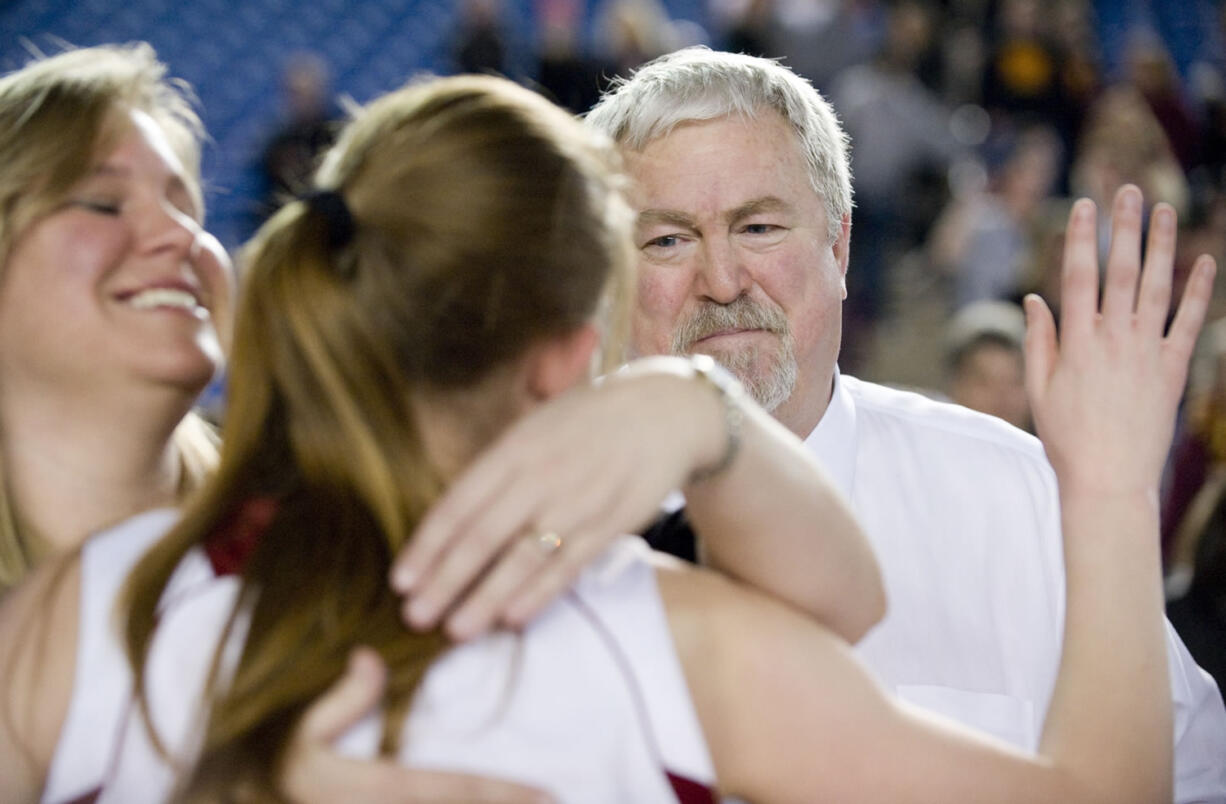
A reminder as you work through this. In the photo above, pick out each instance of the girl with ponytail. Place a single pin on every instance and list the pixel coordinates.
(115, 308)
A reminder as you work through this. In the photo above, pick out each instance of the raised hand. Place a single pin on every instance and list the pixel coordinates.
(1104, 396)
(1104, 400)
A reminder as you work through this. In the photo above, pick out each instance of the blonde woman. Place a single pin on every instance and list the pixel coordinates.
(445, 283)
(113, 300)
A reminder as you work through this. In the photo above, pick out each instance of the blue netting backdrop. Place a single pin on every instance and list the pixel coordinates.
(234, 53)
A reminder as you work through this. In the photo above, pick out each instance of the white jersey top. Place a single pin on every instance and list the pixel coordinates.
(963, 515)
(588, 703)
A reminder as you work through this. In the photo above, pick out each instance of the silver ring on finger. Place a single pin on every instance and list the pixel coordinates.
(546, 541)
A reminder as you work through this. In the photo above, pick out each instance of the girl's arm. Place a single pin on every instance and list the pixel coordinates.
(596, 462)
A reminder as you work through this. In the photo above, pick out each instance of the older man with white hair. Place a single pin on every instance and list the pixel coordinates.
(741, 184)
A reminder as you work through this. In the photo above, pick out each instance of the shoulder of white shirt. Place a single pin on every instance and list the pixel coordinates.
(927, 413)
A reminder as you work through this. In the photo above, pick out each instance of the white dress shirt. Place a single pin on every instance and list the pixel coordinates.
(963, 514)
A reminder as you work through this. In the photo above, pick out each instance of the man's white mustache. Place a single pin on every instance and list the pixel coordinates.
(712, 318)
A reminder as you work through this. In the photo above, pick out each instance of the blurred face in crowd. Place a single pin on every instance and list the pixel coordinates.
(119, 283)
(735, 260)
(989, 378)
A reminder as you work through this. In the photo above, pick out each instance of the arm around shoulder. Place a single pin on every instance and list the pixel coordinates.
(774, 519)
(791, 715)
(772, 690)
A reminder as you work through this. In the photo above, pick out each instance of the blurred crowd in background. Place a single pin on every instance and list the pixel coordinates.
(973, 123)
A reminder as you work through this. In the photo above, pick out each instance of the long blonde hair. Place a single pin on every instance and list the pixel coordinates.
(57, 119)
(484, 220)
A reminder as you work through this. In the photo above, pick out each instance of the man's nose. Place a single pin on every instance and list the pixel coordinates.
(722, 276)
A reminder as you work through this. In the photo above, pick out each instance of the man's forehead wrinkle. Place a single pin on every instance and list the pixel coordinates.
(769, 203)
(766, 203)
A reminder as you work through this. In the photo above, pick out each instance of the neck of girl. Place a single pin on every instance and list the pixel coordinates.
(80, 464)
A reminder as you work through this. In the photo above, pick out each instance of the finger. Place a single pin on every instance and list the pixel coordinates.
(470, 552)
(1181, 339)
(383, 781)
(1154, 299)
(483, 606)
(544, 587)
(439, 787)
(348, 700)
(1079, 280)
(1040, 347)
(572, 497)
(482, 481)
(1123, 258)
(598, 509)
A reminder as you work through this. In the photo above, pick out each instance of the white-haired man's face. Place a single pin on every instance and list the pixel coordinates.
(735, 260)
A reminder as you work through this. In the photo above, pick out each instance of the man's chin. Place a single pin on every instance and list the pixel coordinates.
(747, 365)
(768, 379)
(730, 358)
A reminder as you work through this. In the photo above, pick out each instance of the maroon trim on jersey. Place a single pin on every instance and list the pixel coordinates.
(230, 546)
(689, 791)
(86, 798)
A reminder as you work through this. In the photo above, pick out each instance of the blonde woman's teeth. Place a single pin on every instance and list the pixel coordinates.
(163, 297)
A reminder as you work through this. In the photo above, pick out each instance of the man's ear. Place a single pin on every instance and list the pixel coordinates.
(842, 249)
(559, 363)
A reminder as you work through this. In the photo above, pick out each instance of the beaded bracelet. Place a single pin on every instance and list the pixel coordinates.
(730, 393)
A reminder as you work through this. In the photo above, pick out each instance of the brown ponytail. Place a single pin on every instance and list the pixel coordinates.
(484, 219)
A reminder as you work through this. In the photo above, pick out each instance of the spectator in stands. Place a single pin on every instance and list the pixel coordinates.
(1198, 458)
(748, 28)
(566, 73)
(982, 239)
(630, 32)
(1199, 613)
(309, 126)
(902, 146)
(983, 347)
(479, 42)
(1149, 68)
(1122, 142)
(1194, 510)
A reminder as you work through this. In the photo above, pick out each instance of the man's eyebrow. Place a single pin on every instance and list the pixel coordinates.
(756, 206)
(651, 217)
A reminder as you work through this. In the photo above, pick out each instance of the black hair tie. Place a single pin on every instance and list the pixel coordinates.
(331, 206)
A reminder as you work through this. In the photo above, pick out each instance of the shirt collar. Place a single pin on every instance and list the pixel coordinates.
(833, 441)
